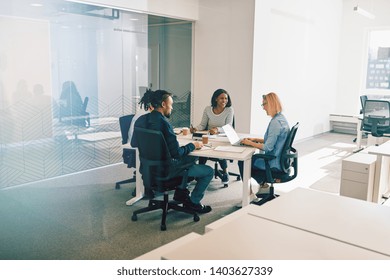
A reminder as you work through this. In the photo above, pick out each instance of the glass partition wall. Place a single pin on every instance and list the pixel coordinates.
(68, 71)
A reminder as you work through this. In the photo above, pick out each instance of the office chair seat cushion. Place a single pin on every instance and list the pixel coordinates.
(261, 177)
(171, 184)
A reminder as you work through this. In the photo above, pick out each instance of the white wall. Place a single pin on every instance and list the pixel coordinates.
(223, 47)
(296, 50)
(353, 51)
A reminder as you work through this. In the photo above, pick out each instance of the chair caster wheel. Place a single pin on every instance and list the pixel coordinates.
(134, 217)
(117, 186)
(225, 185)
(238, 178)
(196, 218)
(163, 227)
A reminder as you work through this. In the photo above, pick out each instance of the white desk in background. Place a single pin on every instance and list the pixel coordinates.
(382, 171)
(353, 221)
(253, 238)
(355, 119)
(245, 155)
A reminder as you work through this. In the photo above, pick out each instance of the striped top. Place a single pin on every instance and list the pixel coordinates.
(210, 119)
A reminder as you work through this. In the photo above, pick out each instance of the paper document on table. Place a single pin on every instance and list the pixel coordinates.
(230, 149)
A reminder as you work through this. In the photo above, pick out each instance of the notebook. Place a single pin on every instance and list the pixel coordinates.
(232, 135)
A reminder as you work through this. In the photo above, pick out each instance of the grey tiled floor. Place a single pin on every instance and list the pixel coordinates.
(93, 222)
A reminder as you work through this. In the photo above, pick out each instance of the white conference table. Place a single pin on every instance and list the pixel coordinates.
(353, 221)
(382, 171)
(301, 224)
(254, 238)
(245, 156)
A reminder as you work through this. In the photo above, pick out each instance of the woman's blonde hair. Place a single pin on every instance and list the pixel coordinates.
(273, 102)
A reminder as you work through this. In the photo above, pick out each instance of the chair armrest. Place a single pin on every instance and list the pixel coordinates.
(295, 155)
(266, 158)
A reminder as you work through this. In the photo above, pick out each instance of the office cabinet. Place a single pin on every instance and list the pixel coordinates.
(357, 176)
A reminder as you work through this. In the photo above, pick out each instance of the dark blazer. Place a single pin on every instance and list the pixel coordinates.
(156, 121)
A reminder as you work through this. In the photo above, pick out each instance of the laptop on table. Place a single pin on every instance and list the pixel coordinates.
(232, 135)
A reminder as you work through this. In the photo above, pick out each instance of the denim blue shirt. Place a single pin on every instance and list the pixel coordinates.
(274, 139)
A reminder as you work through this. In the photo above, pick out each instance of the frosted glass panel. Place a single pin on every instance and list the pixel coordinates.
(68, 71)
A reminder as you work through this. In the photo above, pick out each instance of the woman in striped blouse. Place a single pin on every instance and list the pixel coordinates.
(214, 117)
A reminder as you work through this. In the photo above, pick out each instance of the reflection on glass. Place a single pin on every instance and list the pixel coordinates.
(68, 71)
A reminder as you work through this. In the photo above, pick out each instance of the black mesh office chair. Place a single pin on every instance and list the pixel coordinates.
(289, 165)
(74, 112)
(160, 173)
(376, 117)
(128, 153)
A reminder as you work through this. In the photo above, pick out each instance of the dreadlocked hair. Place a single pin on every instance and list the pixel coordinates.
(145, 100)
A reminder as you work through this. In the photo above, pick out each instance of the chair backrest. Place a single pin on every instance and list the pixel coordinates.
(155, 158)
(159, 170)
(124, 123)
(376, 117)
(363, 99)
(152, 144)
(286, 161)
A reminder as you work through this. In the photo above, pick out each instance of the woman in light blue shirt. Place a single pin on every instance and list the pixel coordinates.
(274, 137)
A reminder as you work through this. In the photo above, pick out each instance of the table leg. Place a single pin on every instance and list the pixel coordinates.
(139, 184)
(359, 136)
(385, 178)
(381, 180)
(246, 181)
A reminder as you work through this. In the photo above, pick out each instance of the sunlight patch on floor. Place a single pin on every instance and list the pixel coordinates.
(312, 167)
